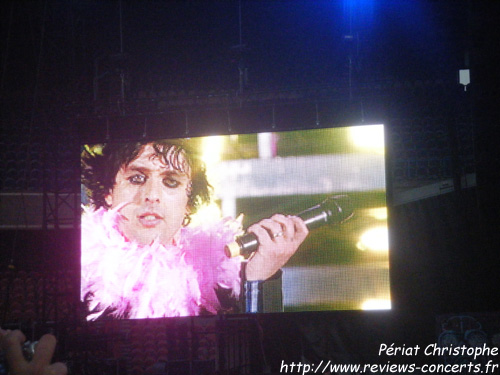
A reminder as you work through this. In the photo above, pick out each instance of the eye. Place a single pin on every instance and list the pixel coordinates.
(170, 182)
(137, 179)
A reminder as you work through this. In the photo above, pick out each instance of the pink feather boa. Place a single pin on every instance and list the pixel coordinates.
(136, 281)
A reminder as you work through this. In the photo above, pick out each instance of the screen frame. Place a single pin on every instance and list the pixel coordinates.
(388, 187)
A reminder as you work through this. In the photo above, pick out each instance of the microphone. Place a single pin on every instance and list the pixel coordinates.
(335, 209)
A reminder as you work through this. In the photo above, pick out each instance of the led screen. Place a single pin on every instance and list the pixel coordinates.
(157, 216)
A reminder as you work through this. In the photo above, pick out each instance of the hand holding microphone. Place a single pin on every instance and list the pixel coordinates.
(335, 209)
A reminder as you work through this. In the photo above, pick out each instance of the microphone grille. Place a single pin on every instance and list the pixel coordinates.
(338, 207)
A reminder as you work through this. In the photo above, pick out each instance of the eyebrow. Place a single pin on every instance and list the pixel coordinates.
(146, 170)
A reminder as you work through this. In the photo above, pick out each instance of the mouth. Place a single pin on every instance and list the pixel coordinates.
(150, 220)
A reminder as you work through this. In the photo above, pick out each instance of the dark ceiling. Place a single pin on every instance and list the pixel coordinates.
(52, 48)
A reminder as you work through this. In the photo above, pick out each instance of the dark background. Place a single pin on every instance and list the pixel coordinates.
(82, 71)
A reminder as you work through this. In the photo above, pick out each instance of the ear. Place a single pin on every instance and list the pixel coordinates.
(109, 199)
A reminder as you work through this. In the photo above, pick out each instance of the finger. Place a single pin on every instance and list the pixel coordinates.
(263, 234)
(287, 225)
(273, 227)
(57, 368)
(10, 337)
(44, 351)
(12, 344)
(300, 226)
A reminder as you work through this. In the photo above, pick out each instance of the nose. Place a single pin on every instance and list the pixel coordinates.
(152, 191)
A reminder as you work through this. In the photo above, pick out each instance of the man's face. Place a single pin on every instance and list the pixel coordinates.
(156, 195)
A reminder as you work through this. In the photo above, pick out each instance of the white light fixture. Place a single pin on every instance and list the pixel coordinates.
(464, 77)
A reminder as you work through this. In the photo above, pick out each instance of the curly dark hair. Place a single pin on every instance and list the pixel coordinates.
(101, 163)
